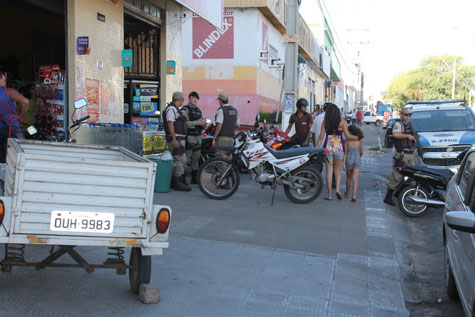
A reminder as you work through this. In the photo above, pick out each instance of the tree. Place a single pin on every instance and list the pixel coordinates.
(432, 80)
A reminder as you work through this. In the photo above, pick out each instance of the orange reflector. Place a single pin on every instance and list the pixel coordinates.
(163, 220)
(2, 211)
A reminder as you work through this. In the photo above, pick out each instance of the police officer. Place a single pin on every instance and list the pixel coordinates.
(175, 130)
(195, 125)
(404, 140)
(226, 121)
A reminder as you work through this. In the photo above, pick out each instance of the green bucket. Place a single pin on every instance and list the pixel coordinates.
(164, 175)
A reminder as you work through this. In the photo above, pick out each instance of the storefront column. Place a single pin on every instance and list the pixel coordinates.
(171, 51)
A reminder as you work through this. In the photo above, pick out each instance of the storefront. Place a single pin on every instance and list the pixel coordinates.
(34, 57)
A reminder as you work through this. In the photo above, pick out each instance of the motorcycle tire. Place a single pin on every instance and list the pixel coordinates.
(303, 171)
(405, 206)
(209, 174)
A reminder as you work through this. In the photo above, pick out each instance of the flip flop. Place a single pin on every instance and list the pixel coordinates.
(353, 200)
(326, 198)
(338, 195)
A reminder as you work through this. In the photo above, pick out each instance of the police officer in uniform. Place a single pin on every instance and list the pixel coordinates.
(404, 140)
(175, 130)
(195, 125)
(226, 121)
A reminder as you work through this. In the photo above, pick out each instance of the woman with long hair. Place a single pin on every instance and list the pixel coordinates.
(334, 128)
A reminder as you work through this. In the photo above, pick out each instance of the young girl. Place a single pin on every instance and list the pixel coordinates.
(352, 160)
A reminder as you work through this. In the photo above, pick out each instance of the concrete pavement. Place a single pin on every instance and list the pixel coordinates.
(243, 257)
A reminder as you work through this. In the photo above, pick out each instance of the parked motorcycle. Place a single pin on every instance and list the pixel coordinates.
(421, 188)
(218, 178)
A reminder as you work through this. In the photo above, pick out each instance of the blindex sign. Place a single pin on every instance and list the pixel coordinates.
(210, 42)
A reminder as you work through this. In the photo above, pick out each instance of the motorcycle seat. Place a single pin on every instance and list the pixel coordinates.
(446, 173)
(293, 152)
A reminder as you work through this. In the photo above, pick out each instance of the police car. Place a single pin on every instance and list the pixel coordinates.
(445, 128)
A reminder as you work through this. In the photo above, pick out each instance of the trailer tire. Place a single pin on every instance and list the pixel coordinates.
(140, 270)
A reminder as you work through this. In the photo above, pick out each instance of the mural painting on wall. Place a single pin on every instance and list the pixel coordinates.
(209, 42)
(265, 41)
(92, 96)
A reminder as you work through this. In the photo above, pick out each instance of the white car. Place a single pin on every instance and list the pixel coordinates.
(370, 117)
(459, 235)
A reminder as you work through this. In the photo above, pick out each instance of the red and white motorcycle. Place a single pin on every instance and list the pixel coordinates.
(219, 178)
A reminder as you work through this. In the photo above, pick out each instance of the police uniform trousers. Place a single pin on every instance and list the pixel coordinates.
(179, 157)
(395, 178)
(193, 150)
(224, 141)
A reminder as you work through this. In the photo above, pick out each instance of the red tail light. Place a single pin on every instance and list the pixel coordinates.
(163, 220)
(2, 212)
(276, 145)
(326, 151)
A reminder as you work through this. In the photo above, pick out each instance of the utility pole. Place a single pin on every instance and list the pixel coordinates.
(454, 73)
(291, 59)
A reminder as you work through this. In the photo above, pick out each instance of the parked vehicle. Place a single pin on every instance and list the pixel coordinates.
(459, 235)
(388, 137)
(421, 188)
(370, 117)
(444, 128)
(384, 109)
(67, 195)
(219, 178)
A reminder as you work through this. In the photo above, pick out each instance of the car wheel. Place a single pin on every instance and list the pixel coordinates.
(377, 123)
(450, 285)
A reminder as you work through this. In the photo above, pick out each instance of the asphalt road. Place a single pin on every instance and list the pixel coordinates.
(244, 257)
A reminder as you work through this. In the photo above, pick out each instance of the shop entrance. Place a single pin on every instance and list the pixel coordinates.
(33, 54)
(142, 79)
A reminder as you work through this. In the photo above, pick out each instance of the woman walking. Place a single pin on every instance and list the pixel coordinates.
(334, 128)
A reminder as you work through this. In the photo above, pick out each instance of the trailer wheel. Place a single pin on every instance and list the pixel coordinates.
(140, 269)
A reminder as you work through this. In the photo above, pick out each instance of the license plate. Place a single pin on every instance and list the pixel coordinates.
(80, 221)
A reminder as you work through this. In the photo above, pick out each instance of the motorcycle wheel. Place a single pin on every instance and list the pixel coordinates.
(312, 181)
(210, 174)
(410, 209)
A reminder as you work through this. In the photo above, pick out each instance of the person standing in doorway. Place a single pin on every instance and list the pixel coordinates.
(303, 122)
(227, 120)
(195, 125)
(9, 120)
(175, 130)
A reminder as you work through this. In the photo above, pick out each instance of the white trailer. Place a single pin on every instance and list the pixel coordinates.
(68, 195)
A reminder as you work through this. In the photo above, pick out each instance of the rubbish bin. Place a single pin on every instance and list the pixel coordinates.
(164, 175)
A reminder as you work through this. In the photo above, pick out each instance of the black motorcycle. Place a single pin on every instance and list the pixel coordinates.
(421, 188)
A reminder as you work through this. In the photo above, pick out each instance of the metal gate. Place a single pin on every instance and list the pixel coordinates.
(145, 47)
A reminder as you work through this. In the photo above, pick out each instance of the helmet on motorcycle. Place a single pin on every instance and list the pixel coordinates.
(302, 102)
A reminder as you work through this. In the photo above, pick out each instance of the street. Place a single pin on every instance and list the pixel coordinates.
(244, 257)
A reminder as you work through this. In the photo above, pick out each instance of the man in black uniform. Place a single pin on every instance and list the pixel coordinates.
(175, 129)
(404, 140)
(195, 125)
(226, 121)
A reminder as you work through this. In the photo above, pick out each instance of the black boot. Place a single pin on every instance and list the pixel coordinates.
(193, 177)
(389, 197)
(179, 186)
(184, 179)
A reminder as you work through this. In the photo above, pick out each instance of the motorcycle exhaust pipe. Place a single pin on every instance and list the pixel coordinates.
(424, 201)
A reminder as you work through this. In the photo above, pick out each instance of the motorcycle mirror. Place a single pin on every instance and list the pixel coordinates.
(32, 130)
(78, 104)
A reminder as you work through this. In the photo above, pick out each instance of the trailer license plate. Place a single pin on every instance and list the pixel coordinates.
(80, 221)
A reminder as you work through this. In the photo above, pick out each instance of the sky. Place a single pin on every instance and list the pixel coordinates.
(399, 34)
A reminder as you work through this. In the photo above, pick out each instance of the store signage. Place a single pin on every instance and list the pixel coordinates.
(171, 67)
(127, 58)
(210, 42)
(291, 38)
(211, 10)
(148, 108)
(82, 45)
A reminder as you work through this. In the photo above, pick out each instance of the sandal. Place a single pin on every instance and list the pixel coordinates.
(326, 198)
(353, 200)
(338, 196)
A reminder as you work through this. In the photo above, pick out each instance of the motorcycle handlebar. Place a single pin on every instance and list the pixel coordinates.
(79, 121)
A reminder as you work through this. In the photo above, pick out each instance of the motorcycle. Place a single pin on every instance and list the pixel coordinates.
(423, 187)
(218, 178)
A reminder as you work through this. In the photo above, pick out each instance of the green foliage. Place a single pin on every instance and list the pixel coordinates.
(270, 117)
(432, 80)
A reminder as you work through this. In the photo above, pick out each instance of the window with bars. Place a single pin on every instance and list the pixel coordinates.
(145, 49)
